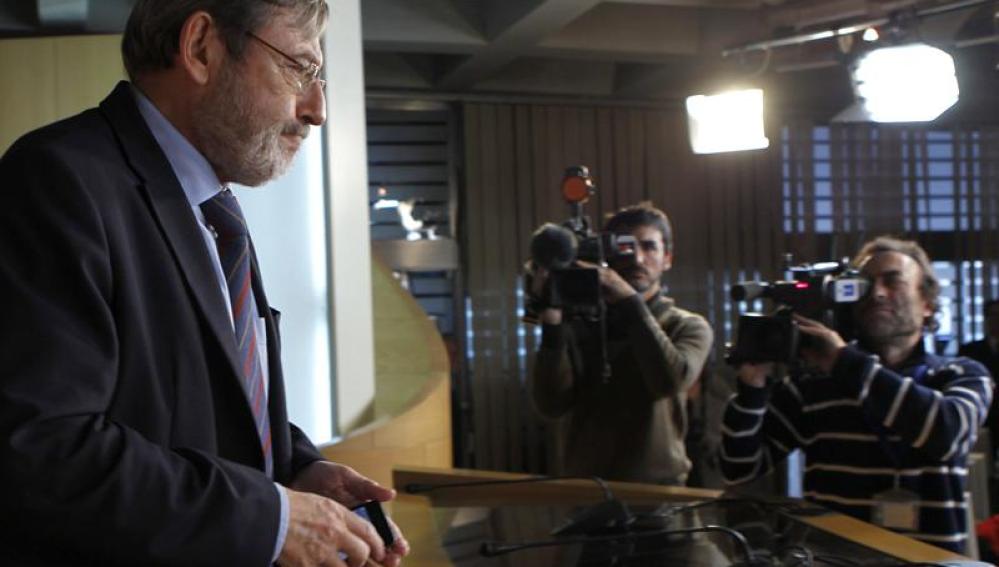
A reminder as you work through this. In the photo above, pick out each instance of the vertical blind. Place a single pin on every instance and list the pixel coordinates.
(515, 156)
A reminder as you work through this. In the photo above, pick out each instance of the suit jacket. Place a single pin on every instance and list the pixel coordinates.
(125, 435)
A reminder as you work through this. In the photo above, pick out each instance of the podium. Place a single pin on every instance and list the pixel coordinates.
(450, 515)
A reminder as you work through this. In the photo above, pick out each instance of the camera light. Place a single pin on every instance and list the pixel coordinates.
(909, 83)
(726, 122)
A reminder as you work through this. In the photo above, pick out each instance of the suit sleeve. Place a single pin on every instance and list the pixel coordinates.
(303, 451)
(75, 480)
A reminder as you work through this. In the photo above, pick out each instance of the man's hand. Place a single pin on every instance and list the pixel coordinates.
(319, 529)
(755, 374)
(346, 486)
(614, 287)
(341, 483)
(823, 345)
(539, 277)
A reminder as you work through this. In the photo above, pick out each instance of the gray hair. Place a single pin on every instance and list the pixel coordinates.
(152, 34)
(929, 286)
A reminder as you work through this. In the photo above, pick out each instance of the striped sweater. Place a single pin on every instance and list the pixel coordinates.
(860, 425)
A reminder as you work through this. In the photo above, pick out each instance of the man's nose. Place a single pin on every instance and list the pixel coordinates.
(878, 288)
(311, 105)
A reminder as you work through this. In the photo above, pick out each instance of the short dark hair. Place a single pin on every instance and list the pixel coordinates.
(642, 214)
(929, 287)
(152, 34)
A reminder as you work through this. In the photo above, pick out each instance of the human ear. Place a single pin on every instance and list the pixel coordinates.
(199, 47)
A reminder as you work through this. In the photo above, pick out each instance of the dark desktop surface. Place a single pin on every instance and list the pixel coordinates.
(715, 533)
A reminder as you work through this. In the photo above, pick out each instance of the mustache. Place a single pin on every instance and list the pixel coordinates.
(872, 304)
(296, 129)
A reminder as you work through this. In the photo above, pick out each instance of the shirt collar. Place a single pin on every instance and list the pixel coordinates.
(917, 356)
(195, 174)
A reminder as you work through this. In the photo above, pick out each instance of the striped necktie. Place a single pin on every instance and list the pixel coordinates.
(223, 214)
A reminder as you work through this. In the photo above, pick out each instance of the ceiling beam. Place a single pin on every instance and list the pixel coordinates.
(63, 13)
(427, 26)
(671, 78)
(540, 21)
(632, 29)
(109, 16)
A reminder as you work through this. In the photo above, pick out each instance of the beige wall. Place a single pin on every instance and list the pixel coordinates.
(44, 79)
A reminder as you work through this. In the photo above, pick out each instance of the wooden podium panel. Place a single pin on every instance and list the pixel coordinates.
(881, 539)
(562, 491)
(441, 501)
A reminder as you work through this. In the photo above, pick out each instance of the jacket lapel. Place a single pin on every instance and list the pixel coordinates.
(173, 213)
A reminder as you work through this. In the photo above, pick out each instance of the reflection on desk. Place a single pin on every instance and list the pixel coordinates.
(519, 525)
(774, 535)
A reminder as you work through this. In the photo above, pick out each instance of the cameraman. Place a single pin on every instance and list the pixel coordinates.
(629, 426)
(885, 426)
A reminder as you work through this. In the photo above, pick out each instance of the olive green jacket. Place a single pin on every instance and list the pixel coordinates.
(629, 426)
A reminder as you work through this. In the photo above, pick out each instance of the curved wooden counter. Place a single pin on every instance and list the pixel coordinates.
(412, 407)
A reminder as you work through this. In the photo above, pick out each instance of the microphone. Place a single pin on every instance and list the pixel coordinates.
(553, 247)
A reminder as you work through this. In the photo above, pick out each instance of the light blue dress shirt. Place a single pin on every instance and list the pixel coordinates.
(200, 184)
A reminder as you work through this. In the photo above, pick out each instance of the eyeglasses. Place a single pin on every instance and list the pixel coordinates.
(304, 75)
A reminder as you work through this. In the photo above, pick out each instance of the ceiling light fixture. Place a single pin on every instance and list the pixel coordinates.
(907, 83)
(829, 33)
(726, 122)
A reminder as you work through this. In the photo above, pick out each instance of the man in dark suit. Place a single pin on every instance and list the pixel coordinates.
(986, 351)
(142, 408)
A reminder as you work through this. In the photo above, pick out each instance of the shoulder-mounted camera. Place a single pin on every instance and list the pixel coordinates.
(824, 291)
(570, 287)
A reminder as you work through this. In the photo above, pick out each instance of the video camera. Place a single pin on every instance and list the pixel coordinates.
(556, 248)
(825, 292)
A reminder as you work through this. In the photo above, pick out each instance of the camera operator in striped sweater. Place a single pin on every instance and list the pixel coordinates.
(884, 425)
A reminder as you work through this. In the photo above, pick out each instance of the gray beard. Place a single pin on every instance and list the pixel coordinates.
(887, 333)
(238, 148)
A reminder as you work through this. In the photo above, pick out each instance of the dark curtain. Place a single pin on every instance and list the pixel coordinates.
(726, 212)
